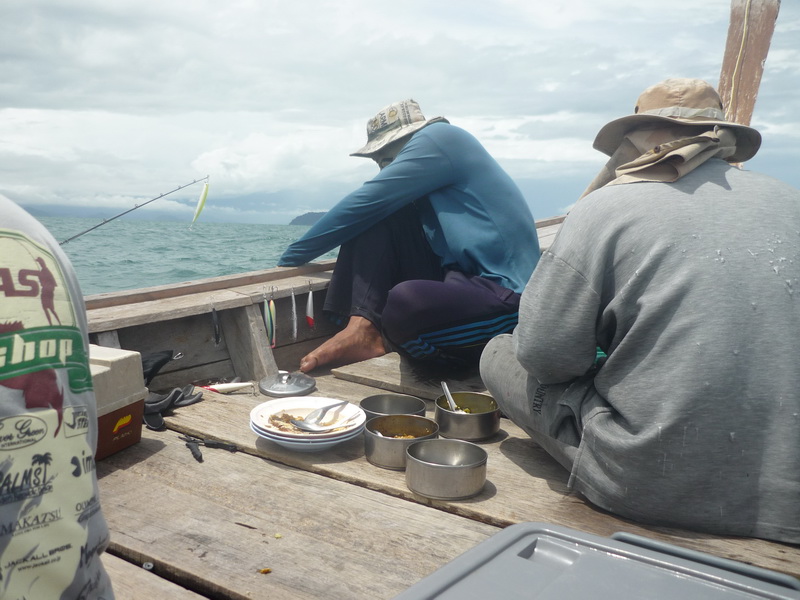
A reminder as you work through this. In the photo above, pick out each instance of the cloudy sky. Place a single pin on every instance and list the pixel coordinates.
(104, 105)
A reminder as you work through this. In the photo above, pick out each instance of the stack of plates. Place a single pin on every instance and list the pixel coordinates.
(269, 420)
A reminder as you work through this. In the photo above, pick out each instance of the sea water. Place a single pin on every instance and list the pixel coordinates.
(128, 254)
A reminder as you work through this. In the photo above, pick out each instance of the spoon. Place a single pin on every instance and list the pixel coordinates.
(449, 397)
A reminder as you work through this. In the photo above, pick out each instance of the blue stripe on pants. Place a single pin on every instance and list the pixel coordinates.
(478, 332)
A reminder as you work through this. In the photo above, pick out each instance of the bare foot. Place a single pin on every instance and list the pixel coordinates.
(360, 340)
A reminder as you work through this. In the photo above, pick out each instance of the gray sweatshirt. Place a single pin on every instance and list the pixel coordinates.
(693, 291)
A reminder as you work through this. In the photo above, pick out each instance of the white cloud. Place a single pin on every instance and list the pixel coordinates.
(106, 102)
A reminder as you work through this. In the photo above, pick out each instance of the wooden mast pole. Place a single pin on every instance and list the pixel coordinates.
(749, 36)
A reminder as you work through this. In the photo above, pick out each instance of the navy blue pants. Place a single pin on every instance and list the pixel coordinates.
(390, 276)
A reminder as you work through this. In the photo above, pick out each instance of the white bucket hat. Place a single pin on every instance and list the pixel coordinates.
(396, 121)
(682, 102)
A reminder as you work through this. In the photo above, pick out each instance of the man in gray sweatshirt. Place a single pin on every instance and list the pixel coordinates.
(685, 271)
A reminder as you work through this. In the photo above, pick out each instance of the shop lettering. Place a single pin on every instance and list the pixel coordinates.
(18, 351)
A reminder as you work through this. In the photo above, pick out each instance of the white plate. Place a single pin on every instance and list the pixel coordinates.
(304, 446)
(345, 435)
(301, 406)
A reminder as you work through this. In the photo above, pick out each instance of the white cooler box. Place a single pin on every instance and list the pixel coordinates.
(120, 391)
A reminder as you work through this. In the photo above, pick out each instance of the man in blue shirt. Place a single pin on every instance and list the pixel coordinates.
(434, 250)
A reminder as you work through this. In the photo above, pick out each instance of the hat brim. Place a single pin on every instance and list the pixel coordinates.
(609, 138)
(374, 146)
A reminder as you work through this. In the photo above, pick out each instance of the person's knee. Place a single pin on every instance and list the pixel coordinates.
(402, 311)
(495, 359)
(504, 378)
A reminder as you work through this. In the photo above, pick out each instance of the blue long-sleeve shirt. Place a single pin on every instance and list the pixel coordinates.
(476, 218)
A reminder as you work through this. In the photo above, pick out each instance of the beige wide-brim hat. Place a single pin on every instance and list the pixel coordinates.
(396, 121)
(683, 102)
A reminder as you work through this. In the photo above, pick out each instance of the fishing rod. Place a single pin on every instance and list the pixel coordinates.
(138, 206)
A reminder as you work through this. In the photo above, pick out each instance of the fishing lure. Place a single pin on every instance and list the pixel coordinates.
(310, 309)
(294, 317)
(269, 319)
(201, 202)
(227, 388)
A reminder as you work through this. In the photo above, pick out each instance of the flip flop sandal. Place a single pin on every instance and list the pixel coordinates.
(187, 400)
(156, 403)
(154, 421)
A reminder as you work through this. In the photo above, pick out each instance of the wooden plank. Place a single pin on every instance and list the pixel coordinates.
(212, 526)
(105, 318)
(390, 372)
(210, 284)
(141, 313)
(248, 344)
(132, 582)
(749, 36)
(282, 288)
(193, 337)
(524, 483)
(550, 221)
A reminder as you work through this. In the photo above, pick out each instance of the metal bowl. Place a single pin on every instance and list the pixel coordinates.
(481, 422)
(445, 469)
(384, 449)
(392, 404)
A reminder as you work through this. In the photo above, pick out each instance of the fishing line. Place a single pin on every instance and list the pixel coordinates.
(197, 212)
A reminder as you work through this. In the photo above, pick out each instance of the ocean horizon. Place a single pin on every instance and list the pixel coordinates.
(126, 254)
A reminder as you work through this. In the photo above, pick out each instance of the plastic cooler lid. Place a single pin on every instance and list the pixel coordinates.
(548, 562)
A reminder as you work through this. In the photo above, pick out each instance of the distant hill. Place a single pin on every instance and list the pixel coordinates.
(307, 219)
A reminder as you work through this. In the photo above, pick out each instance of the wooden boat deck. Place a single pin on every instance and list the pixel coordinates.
(265, 522)
(329, 525)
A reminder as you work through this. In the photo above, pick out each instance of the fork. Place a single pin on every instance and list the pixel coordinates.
(314, 417)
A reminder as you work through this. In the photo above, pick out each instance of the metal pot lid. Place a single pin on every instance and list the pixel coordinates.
(286, 384)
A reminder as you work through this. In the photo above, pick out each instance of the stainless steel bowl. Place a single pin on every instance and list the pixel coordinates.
(445, 469)
(384, 449)
(480, 422)
(392, 404)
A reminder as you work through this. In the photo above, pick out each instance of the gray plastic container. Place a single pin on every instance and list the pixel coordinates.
(536, 561)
